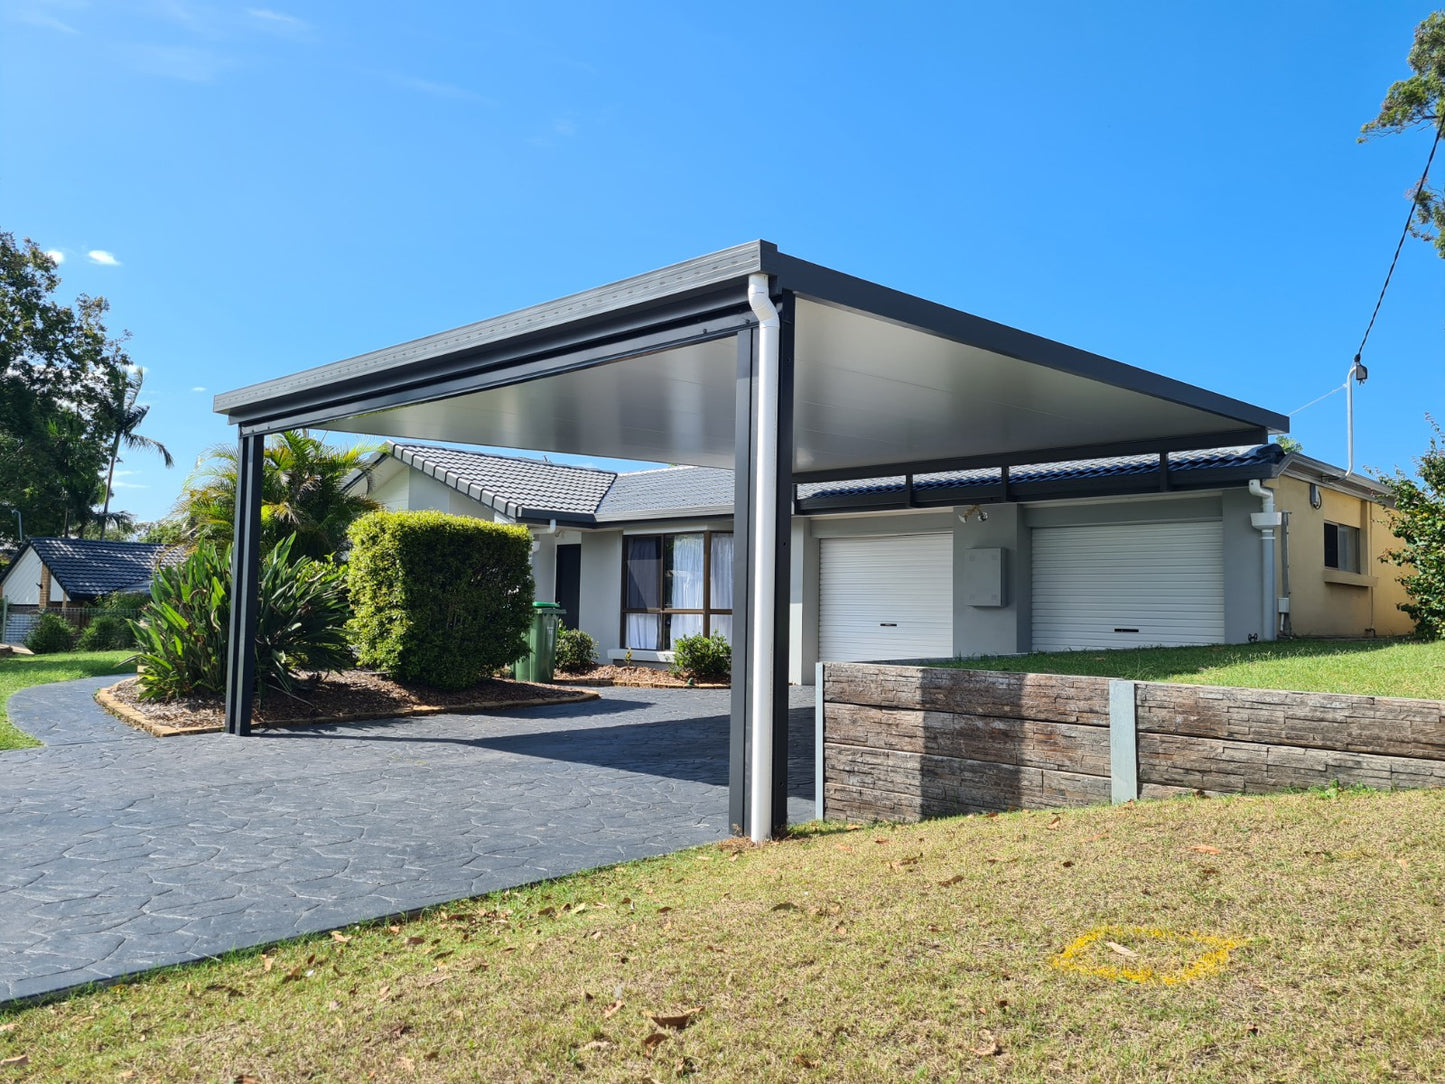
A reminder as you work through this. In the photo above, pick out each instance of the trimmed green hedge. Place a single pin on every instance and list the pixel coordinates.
(439, 600)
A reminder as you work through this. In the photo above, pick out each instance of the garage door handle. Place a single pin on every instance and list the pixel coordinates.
(888, 624)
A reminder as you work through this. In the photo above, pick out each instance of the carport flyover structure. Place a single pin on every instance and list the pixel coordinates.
(783, 370)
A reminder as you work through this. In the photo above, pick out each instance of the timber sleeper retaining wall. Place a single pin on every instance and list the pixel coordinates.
(907, 742)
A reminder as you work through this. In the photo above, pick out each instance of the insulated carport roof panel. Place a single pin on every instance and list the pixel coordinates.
(646, 369)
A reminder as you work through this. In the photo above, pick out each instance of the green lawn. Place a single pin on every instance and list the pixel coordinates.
(22, 671)
(1367, 667)
(1019, 947)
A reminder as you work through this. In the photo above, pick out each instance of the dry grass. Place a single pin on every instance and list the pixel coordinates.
(882, 954)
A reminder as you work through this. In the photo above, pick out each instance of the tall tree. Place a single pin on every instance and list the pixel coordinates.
(1419, 101)
(58, 369)
(1418, 521)
(308, 489)
(125, 414)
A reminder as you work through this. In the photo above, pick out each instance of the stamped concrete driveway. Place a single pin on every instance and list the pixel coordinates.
(122, 852)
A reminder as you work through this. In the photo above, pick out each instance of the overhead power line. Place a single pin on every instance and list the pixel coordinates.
(1400, 245)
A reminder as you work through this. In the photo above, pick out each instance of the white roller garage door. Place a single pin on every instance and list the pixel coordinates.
(886, 597)
(1128, 586)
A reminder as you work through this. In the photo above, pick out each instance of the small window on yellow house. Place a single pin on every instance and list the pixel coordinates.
(1342, 547)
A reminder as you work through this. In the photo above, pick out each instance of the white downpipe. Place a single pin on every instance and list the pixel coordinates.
(1266, 521)
(765, 559)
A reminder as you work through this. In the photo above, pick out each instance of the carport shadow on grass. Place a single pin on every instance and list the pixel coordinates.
(692, 749)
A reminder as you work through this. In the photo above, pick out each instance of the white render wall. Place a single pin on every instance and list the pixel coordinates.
(22, 584)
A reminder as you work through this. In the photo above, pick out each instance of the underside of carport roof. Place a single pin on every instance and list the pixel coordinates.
(675, 366)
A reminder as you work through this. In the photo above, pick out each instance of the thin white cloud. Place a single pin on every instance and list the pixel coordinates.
(564, 127)
(121, 483)
(198, 388)
(102, 257)
(44, 21)
(278, 20)
(437, 90)
(56, 256)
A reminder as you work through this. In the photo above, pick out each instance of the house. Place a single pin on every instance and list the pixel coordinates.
(1108, 552)
(69, 574)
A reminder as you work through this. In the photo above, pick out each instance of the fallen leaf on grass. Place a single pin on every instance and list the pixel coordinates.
(1114, 946)
(1055, 822)
(990, 1047)
(414, 939)
(1253, 1029)
(1068, 863)
(398, 1031)
(293, 975)
(951, 881)
(612, 1010)
(784, 906)
(804, 1062)
(1205, 848)
(17, 1060)
(383, 993)
(267, 962)
(337, 935)
(852, 828)
(222, 988)
(9, 1027)
(245, 1078)
(675, 1022)
(602, 1043)
(652, 1042)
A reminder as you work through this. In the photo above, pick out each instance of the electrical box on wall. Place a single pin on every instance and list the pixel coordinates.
(983, 577)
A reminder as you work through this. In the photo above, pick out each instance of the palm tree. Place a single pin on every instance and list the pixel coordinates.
(124, 415)
(308, 489)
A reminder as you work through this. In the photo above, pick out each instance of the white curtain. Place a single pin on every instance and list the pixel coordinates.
(684, 583)
(723, 623)
(722, 574)
(685, 625)
(642, 631)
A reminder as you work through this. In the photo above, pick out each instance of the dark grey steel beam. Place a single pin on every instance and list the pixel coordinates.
(518, 365)
(743, 451)
(643, 297)
(245, 595)
(1191, 443)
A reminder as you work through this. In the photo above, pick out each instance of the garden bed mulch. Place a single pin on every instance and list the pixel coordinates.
(352, 696)
(635, 677)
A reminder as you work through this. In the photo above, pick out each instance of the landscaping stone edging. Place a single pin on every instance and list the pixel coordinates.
(128, 715)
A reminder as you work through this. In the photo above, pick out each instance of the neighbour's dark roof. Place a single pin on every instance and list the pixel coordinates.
(88, 568)
(536, 490)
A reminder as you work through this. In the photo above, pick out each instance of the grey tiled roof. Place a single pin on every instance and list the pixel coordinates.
(523, 488)
(1253, 455)
(510, 484)
(669, 489)
(87, 569)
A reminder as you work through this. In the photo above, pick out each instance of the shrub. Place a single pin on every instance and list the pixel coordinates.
(439, 600)
(576, 650)
(51, 634)
(703, 658)
(182, 631)
(108, 632)
(124, 603)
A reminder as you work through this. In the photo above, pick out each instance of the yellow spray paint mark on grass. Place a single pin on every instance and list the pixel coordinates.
(1082, 955)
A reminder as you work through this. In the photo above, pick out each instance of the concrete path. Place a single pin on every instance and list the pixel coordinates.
(121, 852)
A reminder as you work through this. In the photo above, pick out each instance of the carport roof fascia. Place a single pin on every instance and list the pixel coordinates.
(379, 372)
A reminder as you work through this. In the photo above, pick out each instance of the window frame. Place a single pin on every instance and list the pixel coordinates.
(1333, 533)
(707, 612)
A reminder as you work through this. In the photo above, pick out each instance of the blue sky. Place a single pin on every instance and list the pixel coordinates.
(281, 183)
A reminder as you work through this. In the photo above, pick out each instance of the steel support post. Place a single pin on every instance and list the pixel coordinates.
(245, 598)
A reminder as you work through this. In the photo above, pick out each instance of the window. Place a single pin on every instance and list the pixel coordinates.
(1342, 547)
(676, 585)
